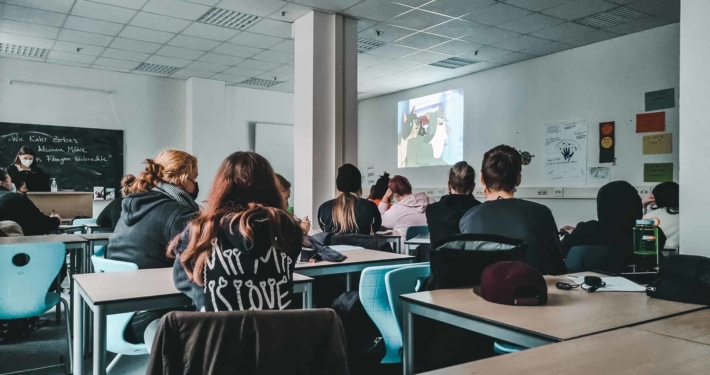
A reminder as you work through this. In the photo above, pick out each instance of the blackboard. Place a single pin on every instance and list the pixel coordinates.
(79, 158)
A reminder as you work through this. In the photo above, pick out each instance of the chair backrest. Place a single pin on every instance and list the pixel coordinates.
(83, 221)
(26, 272)
(594, 258)
(403, 281)
(416, 230)
(108, 265)
(373, 296)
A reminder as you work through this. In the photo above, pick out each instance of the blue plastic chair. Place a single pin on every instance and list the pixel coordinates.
(414, 231)
(373, 295)
(402, 281)
(26, 272)
(116, 324)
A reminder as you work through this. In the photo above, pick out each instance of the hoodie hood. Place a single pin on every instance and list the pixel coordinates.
(137, 206)
(619, 206)
(455, 200)
(417, 202)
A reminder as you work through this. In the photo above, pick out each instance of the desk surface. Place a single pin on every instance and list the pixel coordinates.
(623, 352)
(387, 234)
(95, 236)
(692, 327)
(567, 314)
(102, 288)
(52, 238)
(418, 240)
(357, 257)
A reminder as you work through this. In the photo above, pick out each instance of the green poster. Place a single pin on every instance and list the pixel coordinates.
(657, 172)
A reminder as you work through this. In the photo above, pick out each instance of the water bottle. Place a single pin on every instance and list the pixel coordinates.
(645, 245)
(54, 187)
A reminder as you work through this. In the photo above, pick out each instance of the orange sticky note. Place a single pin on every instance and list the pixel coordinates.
(650, 122)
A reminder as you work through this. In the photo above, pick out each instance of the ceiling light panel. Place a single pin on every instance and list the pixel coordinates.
(610, 18)
(26, 51)
(228, 18)
(259, 82)
(365, 44)
(453, 63)
(155, 68)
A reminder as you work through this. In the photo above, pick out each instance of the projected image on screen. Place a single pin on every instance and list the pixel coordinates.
(430, 130)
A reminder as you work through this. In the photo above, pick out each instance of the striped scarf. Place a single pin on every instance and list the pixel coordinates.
(177, 195)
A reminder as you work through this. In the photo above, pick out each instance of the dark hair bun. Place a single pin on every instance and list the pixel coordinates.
(501, 167)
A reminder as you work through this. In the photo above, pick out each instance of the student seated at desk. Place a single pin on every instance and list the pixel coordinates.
(443, 217)
(349, 213)
(379, 189)
(662, 207)
(20, 209)
(111, 214)
(240, 252)
(504, 215)
(409, 209)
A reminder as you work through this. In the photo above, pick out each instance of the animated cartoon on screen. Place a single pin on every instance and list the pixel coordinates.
(422, 138)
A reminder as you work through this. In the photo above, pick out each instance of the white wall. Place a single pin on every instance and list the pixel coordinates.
(246, 107)
(510, 105)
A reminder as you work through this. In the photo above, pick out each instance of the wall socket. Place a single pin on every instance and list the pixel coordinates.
(558, 192)
(644, 191)
(542, 192)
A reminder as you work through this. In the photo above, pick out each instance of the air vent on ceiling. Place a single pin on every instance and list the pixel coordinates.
(14, 49)
(228, 18)
(453, 63)
(155, 68)
(258, 82)
(364, 44)
(610, 18)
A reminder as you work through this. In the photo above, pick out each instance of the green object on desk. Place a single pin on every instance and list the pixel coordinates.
(290, 209)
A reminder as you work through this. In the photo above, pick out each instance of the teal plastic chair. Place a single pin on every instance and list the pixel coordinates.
(414, 231)
(373, 295)
(26, 272)
(116, 324)
(403, 281)
(98, 250)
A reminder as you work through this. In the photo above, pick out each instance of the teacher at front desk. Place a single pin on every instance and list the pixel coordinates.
(25, 169)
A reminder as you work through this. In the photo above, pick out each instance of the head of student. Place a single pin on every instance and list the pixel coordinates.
(381, 186)
(400, 187)
(349, 185)
(501, 172)
(284, 187)
(462, 179)
(667, 196)
(619, 205)
(174, 167)
(25, 158)
(5, 180)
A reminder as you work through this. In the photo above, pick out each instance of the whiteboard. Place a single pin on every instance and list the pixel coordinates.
(275, 143)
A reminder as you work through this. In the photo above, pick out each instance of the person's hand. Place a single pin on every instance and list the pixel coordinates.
(387, 198)
(306, 225)
(567, 229)
(650, 199)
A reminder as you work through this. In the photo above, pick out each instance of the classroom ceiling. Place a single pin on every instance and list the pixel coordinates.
(402, 43)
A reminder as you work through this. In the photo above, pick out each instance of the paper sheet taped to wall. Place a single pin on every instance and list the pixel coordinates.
(658, 144)
(657, 172)
(566, 153)
(650, 122)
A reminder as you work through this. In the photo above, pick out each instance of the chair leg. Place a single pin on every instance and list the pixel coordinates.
(69, 338)
(113, 363)
(58, 312)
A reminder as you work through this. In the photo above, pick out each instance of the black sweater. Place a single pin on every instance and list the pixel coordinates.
(367, 216)
(443, 217)
(35, 178)
(20, 209)
(111, 214)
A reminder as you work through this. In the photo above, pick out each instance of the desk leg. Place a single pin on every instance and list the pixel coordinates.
(407, 340)
(100, 341)
(308, 297)
(348, 281)
(78, 343)
(70, 274)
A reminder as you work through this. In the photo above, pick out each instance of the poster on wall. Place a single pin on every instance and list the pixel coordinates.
(566, 153)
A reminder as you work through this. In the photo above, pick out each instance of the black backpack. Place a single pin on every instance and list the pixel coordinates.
(682, 278)
(366, 348)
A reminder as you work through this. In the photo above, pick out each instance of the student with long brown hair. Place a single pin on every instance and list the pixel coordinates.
(240, 252)
(349, 213)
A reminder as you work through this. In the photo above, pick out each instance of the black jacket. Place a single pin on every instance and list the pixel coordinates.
(20, 209)
(111, 214)
(524, 220)
(238, 276)
(149, 221)
(35, 178)
(367, 216)
(443, 217)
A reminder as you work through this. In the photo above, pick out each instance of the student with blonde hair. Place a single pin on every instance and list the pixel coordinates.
(349, 213)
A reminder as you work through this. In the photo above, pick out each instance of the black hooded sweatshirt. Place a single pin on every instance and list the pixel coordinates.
(443, 217)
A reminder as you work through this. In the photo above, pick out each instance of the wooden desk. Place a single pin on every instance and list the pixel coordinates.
(622, 352)
(692, 327)
(567, 315)
(122, 292)
(357, 260)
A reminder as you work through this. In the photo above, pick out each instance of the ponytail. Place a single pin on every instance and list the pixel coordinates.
(170, 166)
(344, 221)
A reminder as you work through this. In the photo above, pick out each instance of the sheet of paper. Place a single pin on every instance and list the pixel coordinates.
(599, 174)
(613, 284)
(566, 153)
(657, 172)
(345, 247)
(650, 122)
(658, 144)
(660, 99)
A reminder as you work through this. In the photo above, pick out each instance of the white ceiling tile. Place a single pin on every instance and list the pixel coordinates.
(490, 35)
(392, 51)
(169, 61)
(387, 33)
(123, 64)
(547, 49)
(59, 6)
(370, 85)
(31, 29)
(76, 57)
(146, 35)
(125, 55)
(530, 23)
(284, 69)
(202, 30)
(273, 56)
(665, 9)
(193, 43)
(276, 76)
(496, 14)
(256, 40)
(456, 47)
(261, 8)
(205, 2)
(194, 73)
(456, 8)
(242, 72)
(485, 54)
(158, 22)
(292, 11)
(182, 53)
(102, 12)
(419, 20)
(114, 69)
(230, 78)
(217, 58)
(331, 5)
(364, 59)
(377, 10)
(374, 72)
(579, 8)
(589, 38)
(512, 58)
(431, 71)
(92, 25)
(135, 45)
(257, 65)
(638, 25)
(84, 37)
(422, 40)
(207, 67)
(412, 3)
(456, 28)
(72, 47)
(398, 65)
(623, 2)
(283, 87)
(26, 40)
(133, 4)
(12, 12)
(425, 57)
(535, 5)
(68, 63)
(520, 43)
(286, 46)
(235, 50)
(176, 8)
(563, 31)
(18, 57)
(365, 24)
(271, 27)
